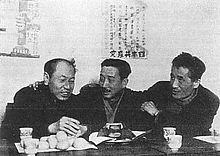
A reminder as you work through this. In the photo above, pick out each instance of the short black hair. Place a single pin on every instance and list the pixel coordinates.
(50, 66)
(122, 66)
(193, 63)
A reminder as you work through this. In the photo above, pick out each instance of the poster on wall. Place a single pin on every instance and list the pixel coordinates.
(125, 29)
(19, 28)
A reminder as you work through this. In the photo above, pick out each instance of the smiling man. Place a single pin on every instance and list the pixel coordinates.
(183, 102)
(110, 101)
(111, 82)
(50, 108)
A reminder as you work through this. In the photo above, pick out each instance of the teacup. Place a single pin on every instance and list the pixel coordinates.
(30, 145)
(168, 131)
(216, 134)
(25, 132)
(175, 141)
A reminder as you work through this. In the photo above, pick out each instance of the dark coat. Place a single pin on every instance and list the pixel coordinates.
(193, 119)
(37, 109)
(128, 112)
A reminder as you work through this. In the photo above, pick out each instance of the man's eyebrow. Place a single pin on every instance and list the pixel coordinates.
(72, 78)
(111, 76)
(180, 76)
(63, 76)
(107, 75)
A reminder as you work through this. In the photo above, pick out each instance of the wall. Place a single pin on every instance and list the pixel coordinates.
(73, 28)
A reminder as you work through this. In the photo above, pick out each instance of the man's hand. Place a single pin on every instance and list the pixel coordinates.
(86, 87)
(69, 125)
(36, 84)
(150, 108)
(82, 130)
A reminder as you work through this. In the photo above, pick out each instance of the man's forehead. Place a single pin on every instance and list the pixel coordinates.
(109, 70)
(180, 71)
(64, 69)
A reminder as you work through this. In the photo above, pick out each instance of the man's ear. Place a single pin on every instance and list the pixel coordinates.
(124, 82)
(46, 78)
(196, 83)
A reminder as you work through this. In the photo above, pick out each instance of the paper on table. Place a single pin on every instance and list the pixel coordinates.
(209, 139)
(97, 140)
(87, 145)
(137, 133)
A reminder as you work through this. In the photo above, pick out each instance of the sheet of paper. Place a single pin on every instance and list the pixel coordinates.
(97, 140)
(209, 139)
(137, 133)
(85, 146)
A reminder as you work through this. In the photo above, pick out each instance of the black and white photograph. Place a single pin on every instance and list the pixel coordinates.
(109, 77)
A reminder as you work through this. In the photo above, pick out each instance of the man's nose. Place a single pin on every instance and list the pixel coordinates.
(175, 83)
(106, 83)
(67, 85)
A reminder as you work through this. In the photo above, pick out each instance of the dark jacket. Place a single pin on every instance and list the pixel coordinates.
(37, 109)
(193, 119)
(128, 112)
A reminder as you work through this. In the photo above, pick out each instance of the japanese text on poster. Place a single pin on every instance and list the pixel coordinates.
(124, 30)
(19, 22)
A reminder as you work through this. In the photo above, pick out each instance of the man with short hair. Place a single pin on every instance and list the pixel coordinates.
(111, 101)
(50, 108)
(183, 102)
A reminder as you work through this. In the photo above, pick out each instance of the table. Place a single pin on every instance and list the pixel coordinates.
(143, 147)
(137, 148)
(190, 146)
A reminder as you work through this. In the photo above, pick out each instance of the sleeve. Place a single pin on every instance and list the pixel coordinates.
(196, 117)
(24, 113)
(158, 94)
(89, 92)
(216, 121)
(9, 130)
(15, 117)
(209, 113)
(205, 107)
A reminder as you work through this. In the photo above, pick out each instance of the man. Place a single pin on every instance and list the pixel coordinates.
(183, 102)
(50, 108)
(111, 101)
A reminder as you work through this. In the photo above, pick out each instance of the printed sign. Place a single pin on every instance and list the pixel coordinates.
(19, 28)
(124, 30)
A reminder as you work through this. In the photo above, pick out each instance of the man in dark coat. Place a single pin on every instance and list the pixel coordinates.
(50, 108)
(111, 102)
(183, 102)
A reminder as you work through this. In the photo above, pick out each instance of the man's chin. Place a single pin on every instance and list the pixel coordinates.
(176, 96)
(107, 96)
(63, 98)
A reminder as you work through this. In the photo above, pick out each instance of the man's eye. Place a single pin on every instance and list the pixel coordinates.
(72, 81)
(62, 80)
(101, 79)
(172, 77)
(111, 80)
(180, 79)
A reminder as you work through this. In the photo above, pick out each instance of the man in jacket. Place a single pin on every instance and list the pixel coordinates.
(110, 101)
(50, 108)
(183, 102)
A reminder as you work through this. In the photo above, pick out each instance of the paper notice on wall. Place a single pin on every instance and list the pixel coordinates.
(19, 28)
(124, 29)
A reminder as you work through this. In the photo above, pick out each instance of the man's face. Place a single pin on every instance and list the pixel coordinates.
(62, 81)
(182, 85)
(110, 81)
